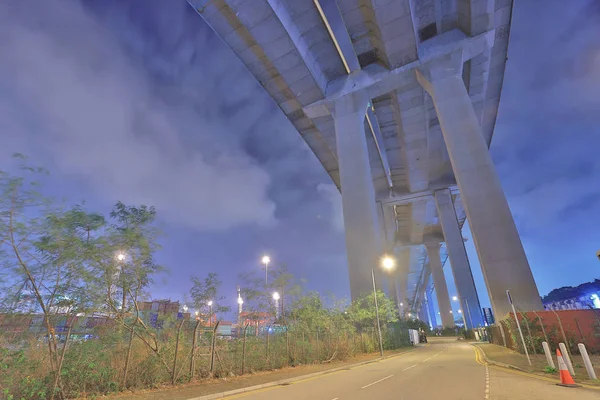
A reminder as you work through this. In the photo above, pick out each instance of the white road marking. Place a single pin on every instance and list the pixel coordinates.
(427, 359)
(486, 394)
(335, 398)
(381, 380)
(412, 366)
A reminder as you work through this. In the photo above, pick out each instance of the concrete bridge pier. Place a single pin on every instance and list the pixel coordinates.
(461, 269)
(439, 281)
(495, 235)
(363, 239)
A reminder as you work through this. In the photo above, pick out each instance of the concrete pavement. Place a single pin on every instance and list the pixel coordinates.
(447, 369)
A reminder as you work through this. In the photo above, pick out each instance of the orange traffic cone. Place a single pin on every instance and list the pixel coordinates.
(565, 376)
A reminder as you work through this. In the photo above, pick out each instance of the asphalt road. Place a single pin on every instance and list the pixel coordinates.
(446, 369)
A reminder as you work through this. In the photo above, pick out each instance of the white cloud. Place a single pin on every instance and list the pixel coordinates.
(76, 100)
(331, 193)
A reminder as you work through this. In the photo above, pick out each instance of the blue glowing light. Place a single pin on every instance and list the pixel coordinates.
(595, 300)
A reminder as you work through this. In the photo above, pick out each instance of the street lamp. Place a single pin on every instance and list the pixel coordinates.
(121, 256)
(455, 298)
(388, 264)
(266, 260)
(276, 298)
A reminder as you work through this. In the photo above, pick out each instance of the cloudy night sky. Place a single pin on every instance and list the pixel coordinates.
(139, 101)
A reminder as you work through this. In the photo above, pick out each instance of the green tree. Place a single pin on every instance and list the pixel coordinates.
(258, 295)
(363, 313)
(129, 265)
(205, 290)
(46, 253)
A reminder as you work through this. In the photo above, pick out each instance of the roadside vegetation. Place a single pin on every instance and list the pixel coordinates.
(61, 262)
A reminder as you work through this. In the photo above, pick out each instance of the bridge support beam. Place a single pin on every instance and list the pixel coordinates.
(363, 239)
(402, 274)
(461, 269)
(439, 281)
(501, 255)
(431, 306)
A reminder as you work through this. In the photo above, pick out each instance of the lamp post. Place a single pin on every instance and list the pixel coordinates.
(455, 298)
(276, 298)
(387, 263)
(266, 260)
(240, 305)
(121, 258)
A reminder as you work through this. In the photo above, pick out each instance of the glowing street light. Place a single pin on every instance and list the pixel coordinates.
(276, 296)
(460, 311)
(266, 260)
(454, 298)
(121, 256)
(388, 263)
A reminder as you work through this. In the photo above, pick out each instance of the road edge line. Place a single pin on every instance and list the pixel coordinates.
(299, 378)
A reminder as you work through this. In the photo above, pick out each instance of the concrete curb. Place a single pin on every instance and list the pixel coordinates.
(498, 363)
(297, 378)
(514, 367)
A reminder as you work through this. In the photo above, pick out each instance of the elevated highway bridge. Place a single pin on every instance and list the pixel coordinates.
(398, 100)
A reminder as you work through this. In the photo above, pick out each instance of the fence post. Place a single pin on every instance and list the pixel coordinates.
(212, 349)
(529, 333)
(173, 374)
(244, 349)
(548, 354)
(318, 350)
(562, 331)
(587, 361)
(542, 326)
(267, 349)
(566, 357)
(193, 359)
(128, 357)
(579, 329)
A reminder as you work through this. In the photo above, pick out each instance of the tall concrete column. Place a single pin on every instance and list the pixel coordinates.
(363, 241)
(431, 307)
(461, 269)
(423, 313)
(392, 289)
(402, 275)
(439, 281)
(495, 235)
(420, 299)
